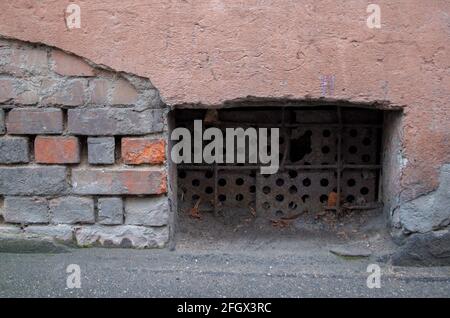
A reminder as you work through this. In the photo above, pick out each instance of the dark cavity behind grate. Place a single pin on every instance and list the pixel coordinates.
(328, 149)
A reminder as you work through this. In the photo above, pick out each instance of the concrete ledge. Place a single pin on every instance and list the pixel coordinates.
(57, 238)
(122, 236)
(22, 244)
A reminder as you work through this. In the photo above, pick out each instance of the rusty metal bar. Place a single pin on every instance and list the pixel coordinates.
(290, 166)
(362, 167)
(256, 167)
(310, 167)
(286, 138)
(380, 171)
(339, 160)
(216, 212)
(293, 166)
(247, 124)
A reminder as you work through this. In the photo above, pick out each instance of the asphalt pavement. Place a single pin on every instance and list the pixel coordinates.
(212, 272)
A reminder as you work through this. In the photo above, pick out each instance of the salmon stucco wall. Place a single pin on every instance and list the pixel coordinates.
(209, 52)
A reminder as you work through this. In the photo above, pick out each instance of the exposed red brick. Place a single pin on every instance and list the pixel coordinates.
(57, 149)
(124, 93)
(137, 151)
(70, 65)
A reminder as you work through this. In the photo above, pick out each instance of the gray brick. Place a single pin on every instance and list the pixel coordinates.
(8, 229)
(101, 150)
(2, 121)
(41, 180)
(34, 121)
(114, 121)
(151, 211)
(116, 182)
(60, 232)
(110, 211)
(70, 210)
(14, 150)
(26, 210)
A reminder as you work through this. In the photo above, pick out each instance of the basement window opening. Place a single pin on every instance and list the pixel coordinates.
(329, 160)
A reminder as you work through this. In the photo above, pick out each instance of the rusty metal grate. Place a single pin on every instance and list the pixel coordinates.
(322, 150)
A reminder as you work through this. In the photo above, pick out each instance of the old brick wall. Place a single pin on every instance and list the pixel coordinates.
(82, 150)
(210, 53)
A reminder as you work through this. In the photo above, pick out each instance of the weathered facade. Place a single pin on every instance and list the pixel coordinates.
(84, 140)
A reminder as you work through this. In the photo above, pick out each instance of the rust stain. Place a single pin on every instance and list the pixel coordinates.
(138, 151)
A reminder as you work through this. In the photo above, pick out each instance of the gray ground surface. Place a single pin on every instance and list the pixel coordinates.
(229, 256)
(266, 267)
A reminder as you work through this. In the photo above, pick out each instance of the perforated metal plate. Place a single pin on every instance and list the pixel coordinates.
(194, 185)
(359, 145)
(236, 189)
(359, 186)
(327, 150)
(294, 191)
